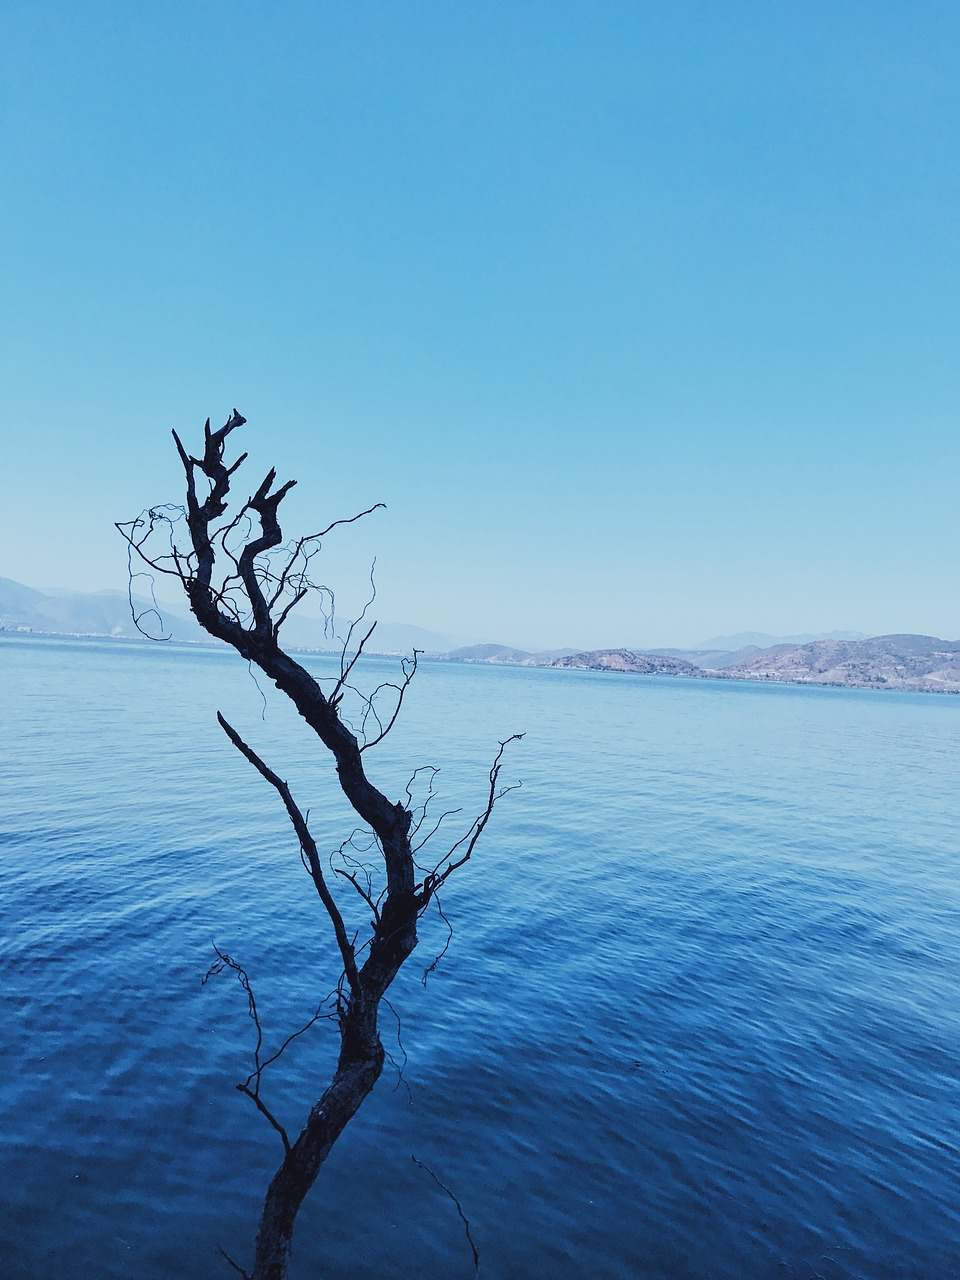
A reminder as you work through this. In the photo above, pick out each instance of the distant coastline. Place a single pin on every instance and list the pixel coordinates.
(907, 662)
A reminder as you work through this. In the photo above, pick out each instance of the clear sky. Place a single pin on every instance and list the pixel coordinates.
(642, 318)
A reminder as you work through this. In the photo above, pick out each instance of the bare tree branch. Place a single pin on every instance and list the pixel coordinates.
(242, 581)
(309, 847)
(225, 962)
(409, 671)
(267, 1113)
(435, 879)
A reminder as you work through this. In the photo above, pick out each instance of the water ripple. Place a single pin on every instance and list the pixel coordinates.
(699, 1018)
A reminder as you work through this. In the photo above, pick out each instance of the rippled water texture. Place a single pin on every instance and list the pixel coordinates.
(699, 1017)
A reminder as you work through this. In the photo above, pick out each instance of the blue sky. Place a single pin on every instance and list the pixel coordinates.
(641, 318)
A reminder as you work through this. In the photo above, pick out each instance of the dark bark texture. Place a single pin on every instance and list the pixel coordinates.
(242, 581)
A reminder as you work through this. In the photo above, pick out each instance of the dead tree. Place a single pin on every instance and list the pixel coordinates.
(242, 581)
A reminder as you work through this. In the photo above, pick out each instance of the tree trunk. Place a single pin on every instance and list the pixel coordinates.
(350, 1086)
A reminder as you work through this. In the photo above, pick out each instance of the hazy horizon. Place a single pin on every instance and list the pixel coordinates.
(180, 609)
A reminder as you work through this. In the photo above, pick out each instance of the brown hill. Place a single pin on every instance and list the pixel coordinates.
(919, 663)
(627, 660)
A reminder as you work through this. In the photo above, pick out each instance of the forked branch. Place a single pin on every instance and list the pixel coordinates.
(450, 861)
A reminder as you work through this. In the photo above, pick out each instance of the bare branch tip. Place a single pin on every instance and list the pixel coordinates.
(184, 456)
(236, 1266)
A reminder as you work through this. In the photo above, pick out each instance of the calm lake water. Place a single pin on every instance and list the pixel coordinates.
(699, 1018)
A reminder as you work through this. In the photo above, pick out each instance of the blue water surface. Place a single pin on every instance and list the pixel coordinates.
(699, 1016)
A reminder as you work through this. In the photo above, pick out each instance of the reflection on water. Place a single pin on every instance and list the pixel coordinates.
(699, 1017)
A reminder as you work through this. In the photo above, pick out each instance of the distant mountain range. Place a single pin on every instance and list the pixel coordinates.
(841, 658)
(93, 613)
(908, 662)
(760, 639)
(107, 613)
(921, 664)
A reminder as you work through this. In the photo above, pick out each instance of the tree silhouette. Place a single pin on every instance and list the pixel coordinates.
(243, 580)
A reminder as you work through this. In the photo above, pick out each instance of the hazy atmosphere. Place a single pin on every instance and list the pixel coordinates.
(640, 318)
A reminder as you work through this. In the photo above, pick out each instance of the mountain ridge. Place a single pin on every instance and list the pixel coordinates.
(900, 661)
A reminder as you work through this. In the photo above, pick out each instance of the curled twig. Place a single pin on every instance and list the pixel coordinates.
(437, 958)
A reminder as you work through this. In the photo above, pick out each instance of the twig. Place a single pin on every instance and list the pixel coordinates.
(399, 1066)
(226, 962)
(436, 877)
(436, 959)
(463, 1216)
(236, 1266)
